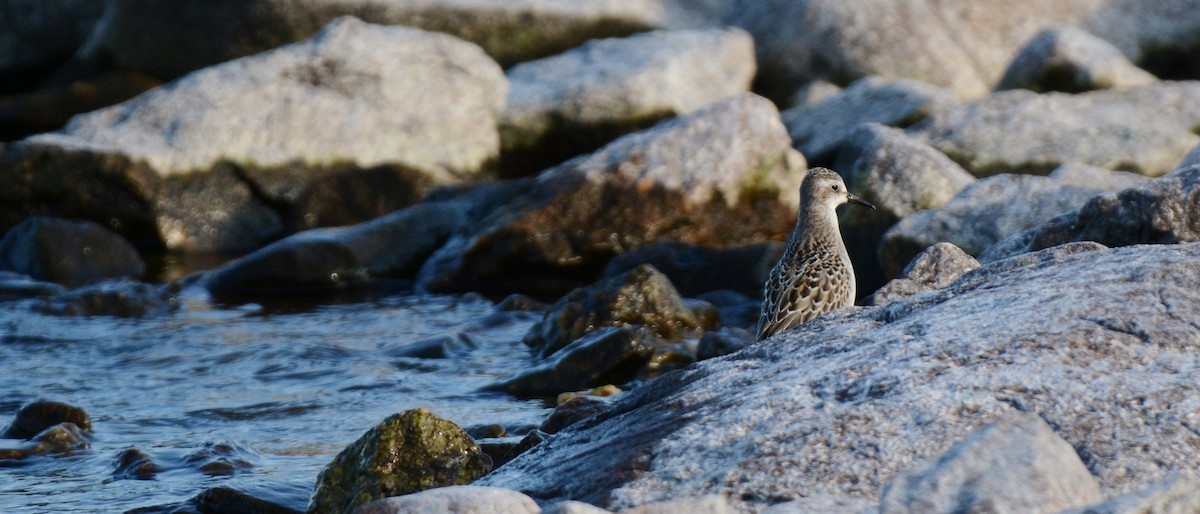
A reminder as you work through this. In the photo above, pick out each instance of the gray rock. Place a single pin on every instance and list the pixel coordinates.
(1070, 60)
(845, 403)
(1076, 174)
(641, 296)
(934, 268)
(812, 94)
(460, 499)
(980, 215)
(39, 35)
(818, 130)
(170, 40)
(1146, 129)
(722, 176)
(824, 503)
(695, 270)
(710, 504)
(214, 161)
(736, 309)
(1179, 494)
(1191, 159)
(900, 176)
(1162, 210)
(68, 252)
(573, 507)
(723, 342)
(1014, 465)
(577, 101)
(605, 356)
(574, 410)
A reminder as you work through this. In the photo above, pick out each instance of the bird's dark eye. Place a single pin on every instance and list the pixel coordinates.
(835, 187)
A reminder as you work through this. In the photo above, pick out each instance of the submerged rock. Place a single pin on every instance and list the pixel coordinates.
(577, 101)
(1014, 465)
(460, 499)
(818, 130)
(221, 458)
(845, 403)
(408, 452)
(609, 355)
(1145, 129)
(135, 464)
(934, 268)
(1070, 60)
(68, 252)
(641, 296)
(900, 176)
(62, 438)
(38, 415)
(123, 299)
(721, 176)
(220, 159)
(695, 270)
(1162, 210)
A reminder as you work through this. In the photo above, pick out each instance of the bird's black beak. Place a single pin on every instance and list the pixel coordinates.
(853, 198)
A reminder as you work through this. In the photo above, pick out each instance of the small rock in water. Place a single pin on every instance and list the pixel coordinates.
(602, 391)
(533, 438)
(38, 415)
(68, 252)
(123, 299)
(62, 438)
(437, 347)
(605, 356)
(135, 464)
(520, 303)
(573, 411)
(461, 499)
(219, 459)
(407, 452)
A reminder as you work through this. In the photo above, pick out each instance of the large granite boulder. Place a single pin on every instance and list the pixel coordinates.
(577, 101)
(68, 252)
(725, 175)
(168, 40)
(228, 157)
(407, 452)
(459, 499)
(900, 176)
(1070, 60)
(1146, 129)
(842, 405)
(819, 129)
(1162, 210)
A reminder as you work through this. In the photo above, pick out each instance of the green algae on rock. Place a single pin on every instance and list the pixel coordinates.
(408, 452)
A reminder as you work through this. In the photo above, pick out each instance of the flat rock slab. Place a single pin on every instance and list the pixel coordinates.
(1146, 129)
(841, 405)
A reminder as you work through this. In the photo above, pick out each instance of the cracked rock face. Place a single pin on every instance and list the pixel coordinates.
(222, 160)
(1100, 343)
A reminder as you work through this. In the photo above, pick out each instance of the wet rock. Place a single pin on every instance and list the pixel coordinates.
(821, 503)
(711, 504)
(134, 464)
(497, 448)
(980, 215)
(123, 299)
(574, 410)
(818, 130)
(531, 440)
(577, 101)
(169, 154)
(1146, 129)
(603, 391)
(227, 499)
(609, 355)
(721, 176)
(221, 459)
(1162, 210)
(68, 252)
(15, 286)
(573, 507)
(707, 315)
(1179, 493)
(486, 431)
(641, 296)
(40, 35)
(845, 403)
(737, 310)
(408, 452)
(695, 270)
(38, 415)
(900, 176)
(1076, 174)
(934, 268)
(520, 303)
(1015, 464)
(723, 342)
(442, 346)
(462, 499)
(1070, 60)
(62, 438)
(148, 36)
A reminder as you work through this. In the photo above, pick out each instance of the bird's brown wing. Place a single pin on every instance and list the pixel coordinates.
(797, 294)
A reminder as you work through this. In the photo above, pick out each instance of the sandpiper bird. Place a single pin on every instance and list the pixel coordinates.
(814, 276)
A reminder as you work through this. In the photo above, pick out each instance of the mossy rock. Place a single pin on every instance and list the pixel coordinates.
(408, 452)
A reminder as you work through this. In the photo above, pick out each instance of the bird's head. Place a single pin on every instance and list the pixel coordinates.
(823, 186)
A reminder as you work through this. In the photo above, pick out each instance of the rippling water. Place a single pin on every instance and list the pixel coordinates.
(289, 387)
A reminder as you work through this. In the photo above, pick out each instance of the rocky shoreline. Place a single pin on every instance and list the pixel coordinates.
(625, 171)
